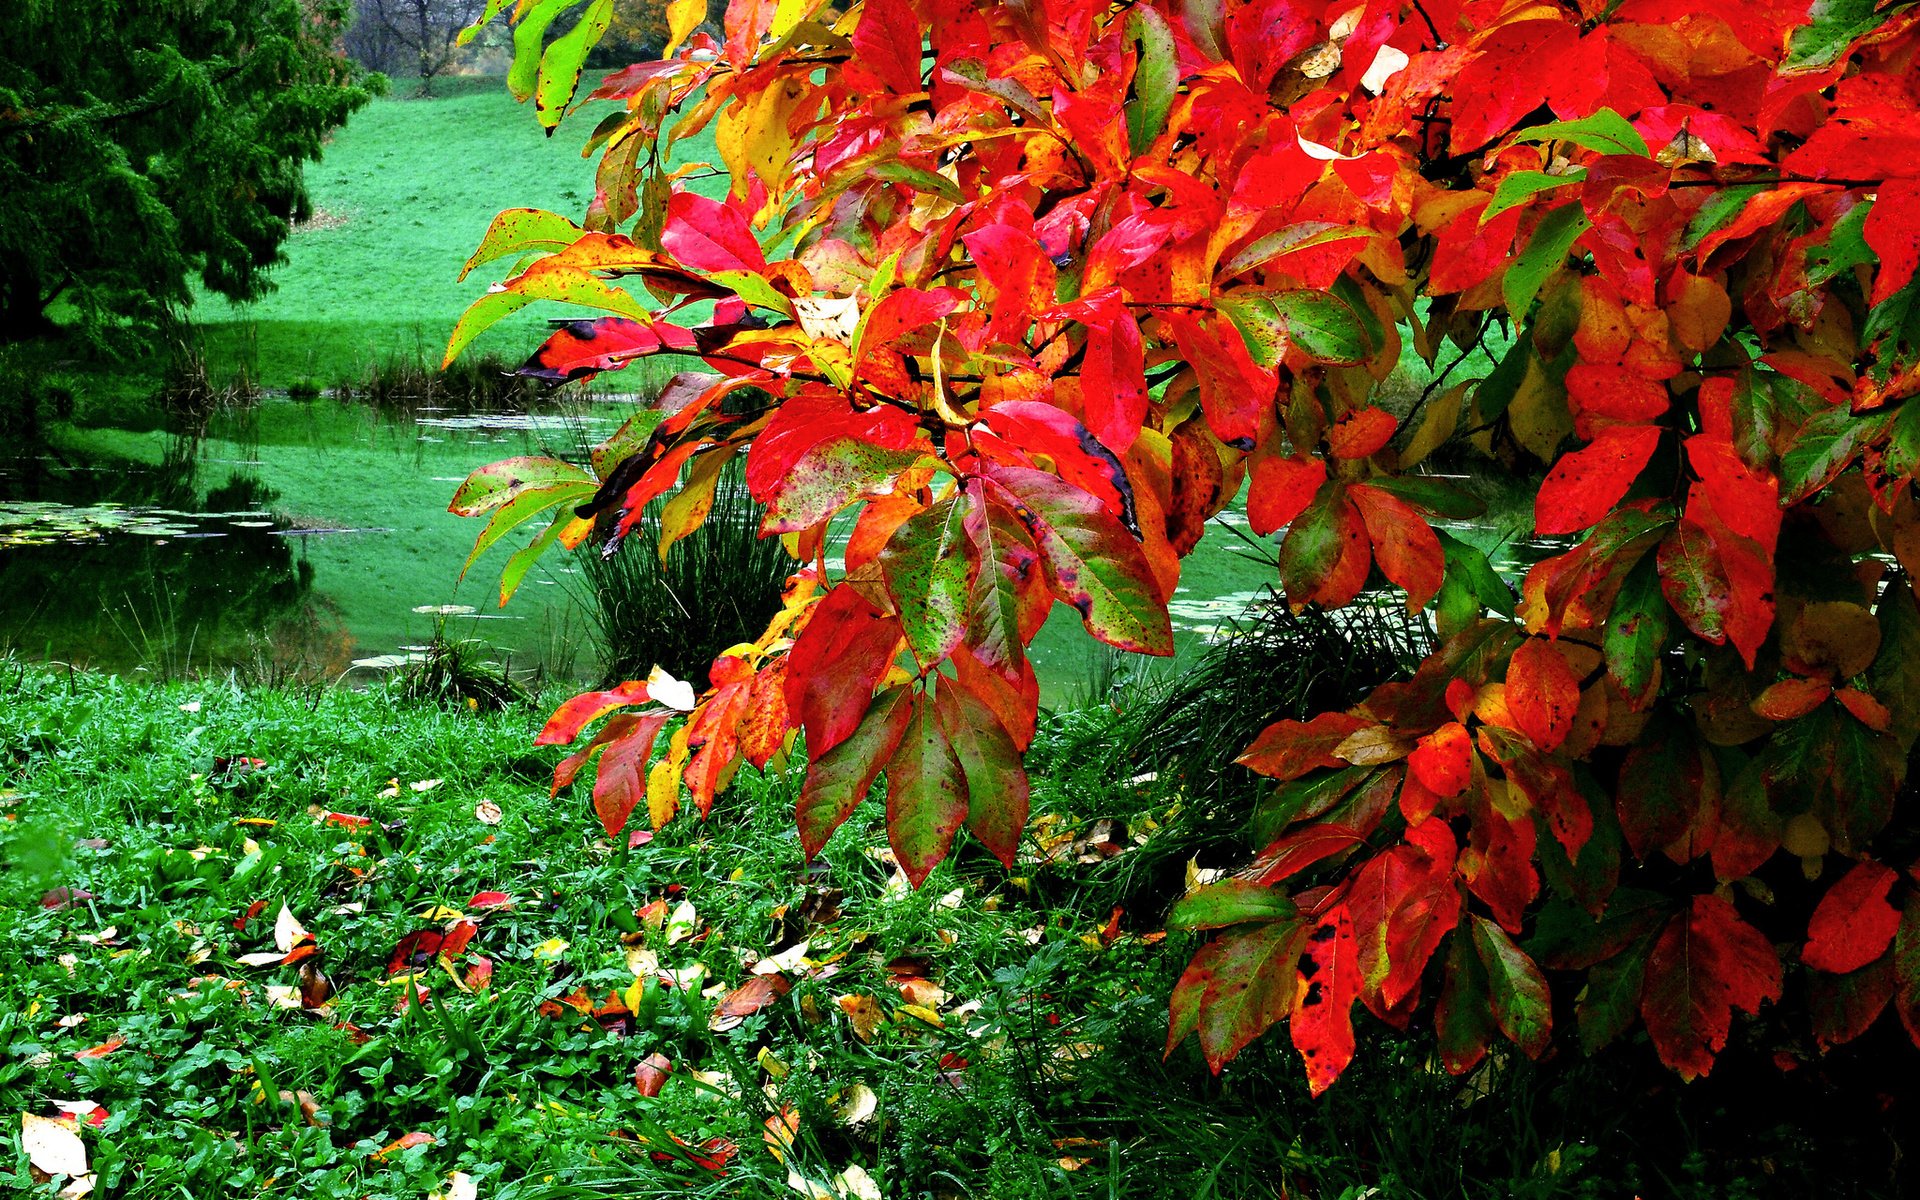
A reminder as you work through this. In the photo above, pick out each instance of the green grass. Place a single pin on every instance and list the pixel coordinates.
(1044, 1043)
(404, 193)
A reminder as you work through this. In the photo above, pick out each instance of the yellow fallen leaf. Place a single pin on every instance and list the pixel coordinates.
(550, 949)
(922, 1013)
(863, 1013)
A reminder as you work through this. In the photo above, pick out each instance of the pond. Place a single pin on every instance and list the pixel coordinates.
(301, 538)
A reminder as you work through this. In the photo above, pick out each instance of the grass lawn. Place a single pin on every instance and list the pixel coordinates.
(988, 1035)
(403, 194)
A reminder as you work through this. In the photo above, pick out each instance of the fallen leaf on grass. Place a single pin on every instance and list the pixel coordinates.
(639, 838)
(64, 897)
(781, 1130)
(747, 999)
(714, 1154)
(54, 1147)
(863, 1013)
(85, 1112)
(855, 1104)
(650, 1075)
(459, 1186)
(487, 813)
(405, 1142)
(103, 1049)
(423, 785)
(488, 901)
(921, 1012)
(681, 924)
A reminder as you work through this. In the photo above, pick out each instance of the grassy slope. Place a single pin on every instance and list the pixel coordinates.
(406, 191)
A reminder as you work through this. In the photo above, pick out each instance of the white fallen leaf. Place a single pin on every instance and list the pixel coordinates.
(663, 688)
(682, 922)
(286, 930)
(790, 959)
(459, 1186)
(857, 1104)
(855, 1184)
(953, 899)
(807, 1187)
(191, 706)
(261, 958)
(284, 995)
(487, 813)
(642, 962)
(53, 1145)
(71, 1020)
(424, 785)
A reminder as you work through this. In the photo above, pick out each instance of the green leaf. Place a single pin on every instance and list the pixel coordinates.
(1605, 132)
(1611, 1001)
(1721, 209)
(1521, 1006)
(1230, 902)
(1303, 235)
(1318, 324)
(1517, 187)
(830, 476)
(997, 787)
(524, 558)
(518, 230)
(894, 171)
(753, 288)
(560, 65)
(497, 483)
(1637, 630)
(1833, 26)
(1250, 985)
(838, 780)
(1502, 384)
(1471, 585)
(494, 9)
(1546, 253)
(1433, 495)
(926, 794)
(1845, 248)
(1824, 447)
(521, 509)
(1155, 80)
(1091, 561)
(528, 34)
(1463, 1019)
(929, 573)
(1303, 798)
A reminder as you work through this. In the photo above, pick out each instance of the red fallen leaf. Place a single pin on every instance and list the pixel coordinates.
(714, 1154)
(306, 949)
(638, 838)
(479, 973)
(315, 988)
(456, 939)
(1542, 693)
(749, 998)
(415, 950)
(253, 910)
(347, 820)
(486, 901)
(1853, 924)
(412, 996)
(650, 1074)
(64, 897)
(103, 1049)
(405, 1142)
(355, 1034)
(652, 914)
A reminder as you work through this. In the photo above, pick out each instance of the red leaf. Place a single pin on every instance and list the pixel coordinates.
(1281, 489)
(1325, 557)
(1843, 1006)
(1020, 429)
(621, 782)
(1853, 924)
(1289, 749)
(1294, 853)
(576, 714)
(650, 1074)
(838, 780)
(1443, 761)
(102, 1050)
(1586, 485)
(583, 349)
(485, 901)
(1865, 709)
(1361, 434)
(886, 45)
(1518, 62)
(750, 997)
(1543, 694)
(709, 236)
(1790, 699)
(415, 951)
(405, 1142)
(1404, 545)
(1113, 382)
(60, 898)
(1892, 231)
(835, 663)
(1322, 1022)
(996, 781)
(1707, 963)
(901, 312)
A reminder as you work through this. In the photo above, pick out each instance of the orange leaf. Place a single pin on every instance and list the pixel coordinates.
(1543, 694)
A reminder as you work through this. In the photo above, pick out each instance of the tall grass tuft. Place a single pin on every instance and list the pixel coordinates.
(1169, 740)
(406, 385)
(718, 586)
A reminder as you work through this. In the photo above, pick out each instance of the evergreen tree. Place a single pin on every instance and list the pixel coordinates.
(146, 141)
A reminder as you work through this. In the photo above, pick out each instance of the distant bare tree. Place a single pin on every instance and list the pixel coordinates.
(410, 36)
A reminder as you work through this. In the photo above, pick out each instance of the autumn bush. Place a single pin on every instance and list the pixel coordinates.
(1056, 281)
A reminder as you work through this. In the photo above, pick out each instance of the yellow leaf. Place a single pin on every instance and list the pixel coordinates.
(1538, 415)
(1437, 425)
(635, 993)
(753, 138)
(923, 1013)
(683, 17)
